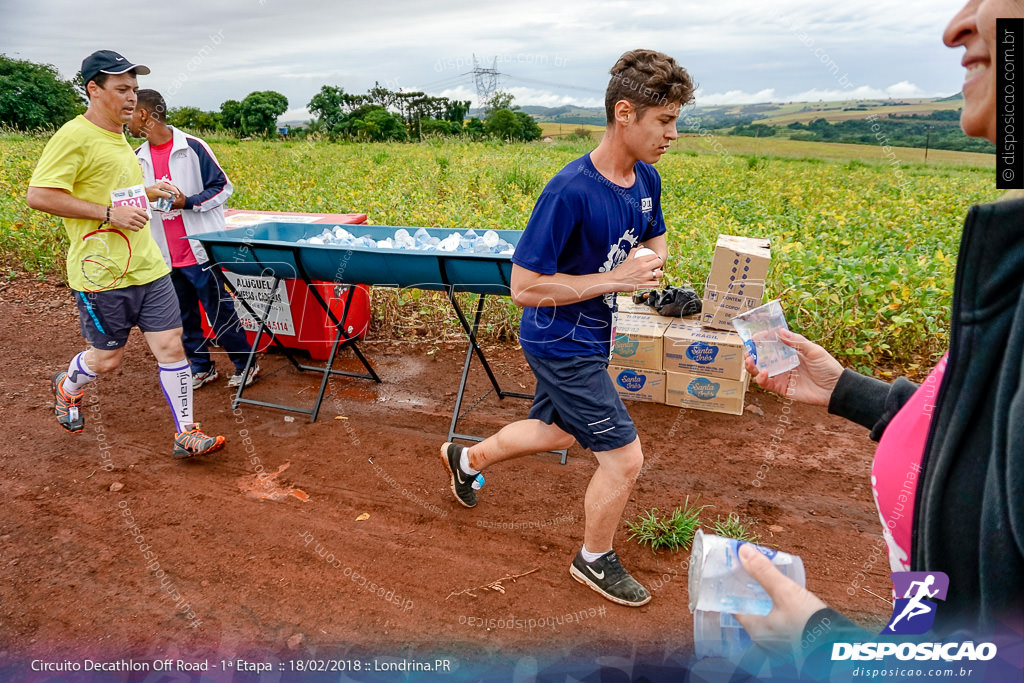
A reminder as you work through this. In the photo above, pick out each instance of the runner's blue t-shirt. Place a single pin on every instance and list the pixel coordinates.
(583, 224)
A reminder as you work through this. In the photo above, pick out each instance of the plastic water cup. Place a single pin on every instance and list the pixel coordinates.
(759, 330)
(718, 634)
(718, 582)
(163, 204)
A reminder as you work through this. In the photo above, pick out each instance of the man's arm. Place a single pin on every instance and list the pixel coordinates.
(60, 202)
(536, 289)
(216, 186)
(659, 245)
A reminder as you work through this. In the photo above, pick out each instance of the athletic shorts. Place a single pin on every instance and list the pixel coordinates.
(108, 316)
(578, 396)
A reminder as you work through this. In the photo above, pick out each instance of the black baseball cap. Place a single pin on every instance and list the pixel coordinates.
(108, 62)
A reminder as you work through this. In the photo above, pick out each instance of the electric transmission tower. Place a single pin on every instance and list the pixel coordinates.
(486, 81)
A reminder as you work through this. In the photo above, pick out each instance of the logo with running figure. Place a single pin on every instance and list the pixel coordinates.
(913, 613)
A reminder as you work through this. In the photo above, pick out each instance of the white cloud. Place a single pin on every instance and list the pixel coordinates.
(526, 96)
(906, 89)
(736, 97)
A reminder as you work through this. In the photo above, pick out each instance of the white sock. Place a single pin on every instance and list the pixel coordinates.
(78, 375)
(589, 557)
(464, 462)
(176, 382)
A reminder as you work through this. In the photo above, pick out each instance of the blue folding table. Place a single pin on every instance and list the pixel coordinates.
(273, 250)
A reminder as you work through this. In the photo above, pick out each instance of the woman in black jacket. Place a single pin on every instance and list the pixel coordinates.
(949, 471)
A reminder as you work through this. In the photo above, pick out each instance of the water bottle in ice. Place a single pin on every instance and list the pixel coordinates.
(490, 238)
(449, 243)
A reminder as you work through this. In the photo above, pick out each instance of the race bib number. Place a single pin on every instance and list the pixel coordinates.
(131, 196)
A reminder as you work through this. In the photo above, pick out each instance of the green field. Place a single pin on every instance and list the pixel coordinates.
(782, 114)
(555, 130)
(864, 252)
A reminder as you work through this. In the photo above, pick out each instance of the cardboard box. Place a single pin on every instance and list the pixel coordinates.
(698, 392)
(635, 384)
(739, 262)
(638, 340)
(627, 307)
(719, 308)
(698, 350)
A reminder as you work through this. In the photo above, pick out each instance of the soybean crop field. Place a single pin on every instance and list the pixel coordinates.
(864, 249)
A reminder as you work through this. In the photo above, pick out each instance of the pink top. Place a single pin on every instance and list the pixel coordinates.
(174, 227)
(897, 465)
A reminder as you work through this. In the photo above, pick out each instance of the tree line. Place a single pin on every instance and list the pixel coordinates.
(34, 97)
(937, 130)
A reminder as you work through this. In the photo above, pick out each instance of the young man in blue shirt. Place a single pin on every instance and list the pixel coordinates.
(574, 255)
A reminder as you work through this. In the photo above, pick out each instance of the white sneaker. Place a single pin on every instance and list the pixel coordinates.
(205, 377)
(236, 379)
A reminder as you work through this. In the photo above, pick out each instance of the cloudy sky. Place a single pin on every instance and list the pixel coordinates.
(550, 53)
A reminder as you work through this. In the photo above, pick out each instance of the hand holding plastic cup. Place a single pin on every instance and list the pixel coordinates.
(644, 251)
(719, 583)
(759, 329)
(163, 203)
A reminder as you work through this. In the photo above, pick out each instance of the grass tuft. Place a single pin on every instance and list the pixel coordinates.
(673, 532)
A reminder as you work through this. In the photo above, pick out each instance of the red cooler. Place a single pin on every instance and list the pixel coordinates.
(302, 324)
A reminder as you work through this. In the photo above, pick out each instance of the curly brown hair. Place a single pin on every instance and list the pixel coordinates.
(646, 78)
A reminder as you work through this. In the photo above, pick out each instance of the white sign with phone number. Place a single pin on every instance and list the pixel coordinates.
(256, 290)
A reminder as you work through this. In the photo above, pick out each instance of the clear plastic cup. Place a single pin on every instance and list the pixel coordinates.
(718, 582)
(718, 634)
(759, 329)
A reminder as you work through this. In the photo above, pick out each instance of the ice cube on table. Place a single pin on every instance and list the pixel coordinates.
(385, 243)
(470, 234)
(421, 234)
(490, 238)
(342, 235)
(316, 240)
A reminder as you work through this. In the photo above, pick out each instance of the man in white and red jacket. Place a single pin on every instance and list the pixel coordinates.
(188, 163)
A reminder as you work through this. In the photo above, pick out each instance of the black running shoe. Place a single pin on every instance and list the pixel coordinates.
(607, 576)
(67, 408)
(462, 483)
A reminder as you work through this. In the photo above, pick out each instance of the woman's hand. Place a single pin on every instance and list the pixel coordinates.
(781, 629)
(810, 382)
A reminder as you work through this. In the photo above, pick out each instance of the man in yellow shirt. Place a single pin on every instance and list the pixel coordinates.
(89, 175)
